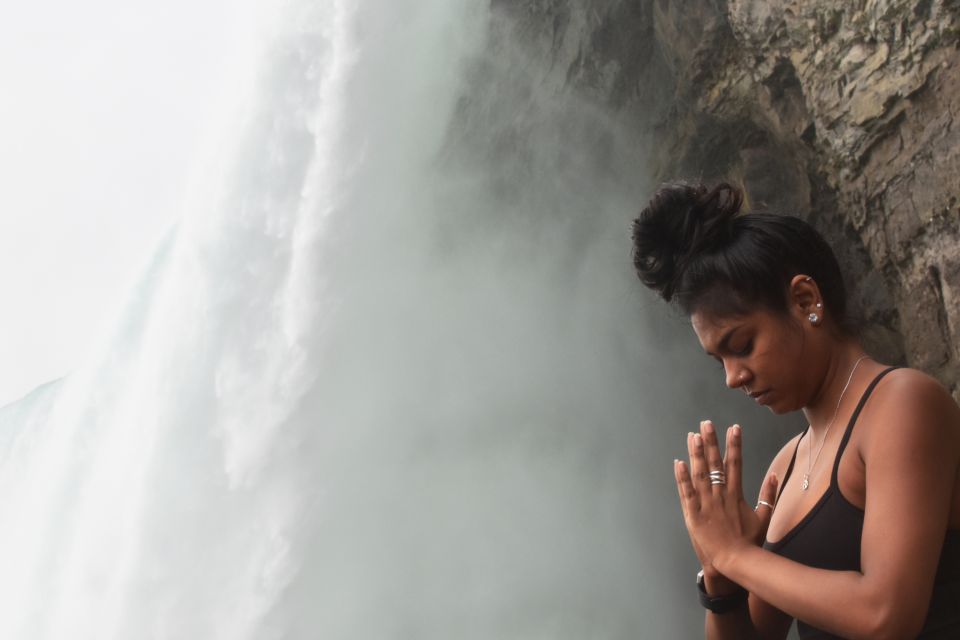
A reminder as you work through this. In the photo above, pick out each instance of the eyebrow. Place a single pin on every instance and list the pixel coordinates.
(722, 345)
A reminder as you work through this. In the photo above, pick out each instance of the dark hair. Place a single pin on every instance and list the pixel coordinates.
(692, 245)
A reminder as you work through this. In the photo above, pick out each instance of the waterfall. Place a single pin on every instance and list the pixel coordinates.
(389, 377)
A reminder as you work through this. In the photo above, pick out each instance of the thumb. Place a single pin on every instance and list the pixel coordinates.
(768, 495)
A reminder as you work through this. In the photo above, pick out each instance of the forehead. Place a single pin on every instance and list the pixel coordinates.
(711, 329)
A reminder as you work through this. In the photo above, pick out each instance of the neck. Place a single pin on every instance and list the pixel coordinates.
(824, 406)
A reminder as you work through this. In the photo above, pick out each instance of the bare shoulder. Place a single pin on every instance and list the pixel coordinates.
(906, 379)
(914, 407)
(913, 392)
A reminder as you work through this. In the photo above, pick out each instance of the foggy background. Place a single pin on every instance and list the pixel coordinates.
(107, 107)
(390, 373)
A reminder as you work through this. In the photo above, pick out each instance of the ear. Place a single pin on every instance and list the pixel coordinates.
(804, 299)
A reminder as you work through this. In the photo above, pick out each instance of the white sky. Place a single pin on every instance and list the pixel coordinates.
(103, 108)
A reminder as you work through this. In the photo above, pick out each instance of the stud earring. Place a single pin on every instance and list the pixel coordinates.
(814, 318)
(819, 306)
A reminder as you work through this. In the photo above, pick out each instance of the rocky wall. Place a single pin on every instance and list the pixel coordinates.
(842, 113)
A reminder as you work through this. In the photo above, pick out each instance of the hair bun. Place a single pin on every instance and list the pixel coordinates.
(681, 220)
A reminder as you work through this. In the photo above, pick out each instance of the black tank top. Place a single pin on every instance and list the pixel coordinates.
(828, 537)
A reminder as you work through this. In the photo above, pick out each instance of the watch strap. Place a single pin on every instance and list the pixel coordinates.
(720, 604)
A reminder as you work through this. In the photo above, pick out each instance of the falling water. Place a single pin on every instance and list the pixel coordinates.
(390, 377)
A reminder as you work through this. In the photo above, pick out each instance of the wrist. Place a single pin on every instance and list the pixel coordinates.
(740, 563)
(720, 603)
(725, 563)
(720, 585)
(710, 572)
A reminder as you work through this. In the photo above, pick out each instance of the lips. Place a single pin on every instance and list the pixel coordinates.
(760, 396)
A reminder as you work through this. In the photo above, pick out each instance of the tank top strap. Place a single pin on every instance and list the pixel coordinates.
(793, 459)
(853, 420)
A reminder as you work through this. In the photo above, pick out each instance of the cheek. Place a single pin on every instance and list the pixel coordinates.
(784, 362)
(791, 384)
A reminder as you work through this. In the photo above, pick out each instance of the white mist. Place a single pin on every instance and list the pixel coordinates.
(390, 378)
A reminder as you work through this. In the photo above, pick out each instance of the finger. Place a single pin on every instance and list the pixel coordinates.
(711, 451)
(676, 478)
(684, 502)
(768, 496)
(687, 490)
(698, 467)
(733, 463)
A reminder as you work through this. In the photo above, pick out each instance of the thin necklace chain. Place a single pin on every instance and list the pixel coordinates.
(810, 463)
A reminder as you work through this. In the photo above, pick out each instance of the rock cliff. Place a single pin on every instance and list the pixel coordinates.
(842, 113)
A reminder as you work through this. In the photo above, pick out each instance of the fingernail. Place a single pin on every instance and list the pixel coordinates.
(708, 426)
(736, 430)
(696, 439)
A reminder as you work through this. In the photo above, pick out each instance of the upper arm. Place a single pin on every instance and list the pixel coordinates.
(770, 622)
(911, 458)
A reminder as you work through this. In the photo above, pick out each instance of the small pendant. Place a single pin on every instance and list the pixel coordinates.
(806, 482)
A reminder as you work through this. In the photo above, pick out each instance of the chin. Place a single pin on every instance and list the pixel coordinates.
(781, 408)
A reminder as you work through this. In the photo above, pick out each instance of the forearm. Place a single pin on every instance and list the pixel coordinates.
(735, 625)
(840, 602)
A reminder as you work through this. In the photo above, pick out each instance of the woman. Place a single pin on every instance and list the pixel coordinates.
(857, 530)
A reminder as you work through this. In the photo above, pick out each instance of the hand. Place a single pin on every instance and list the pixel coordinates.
(717, 518)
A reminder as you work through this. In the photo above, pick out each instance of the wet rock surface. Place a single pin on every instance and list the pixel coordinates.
(842, 113)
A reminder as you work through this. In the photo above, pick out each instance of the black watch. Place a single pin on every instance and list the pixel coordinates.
(720, 604)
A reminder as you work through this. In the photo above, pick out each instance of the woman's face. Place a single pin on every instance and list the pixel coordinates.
(769, 356)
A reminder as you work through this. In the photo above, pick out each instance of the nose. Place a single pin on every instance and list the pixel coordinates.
(736, 376)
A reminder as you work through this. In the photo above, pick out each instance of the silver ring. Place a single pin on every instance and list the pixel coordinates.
(717, 481)
(764, 503)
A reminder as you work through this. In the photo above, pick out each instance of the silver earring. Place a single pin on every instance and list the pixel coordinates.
(814, 318)
(819, 306)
